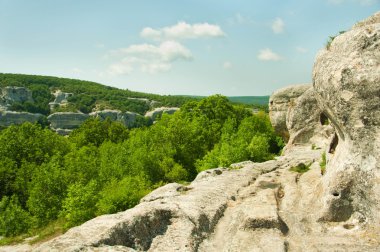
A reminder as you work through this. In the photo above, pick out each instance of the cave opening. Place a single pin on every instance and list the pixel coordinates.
(334, 144)
(323, 119)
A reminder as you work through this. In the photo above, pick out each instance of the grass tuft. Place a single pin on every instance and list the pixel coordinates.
(301, 168)
(323, 163)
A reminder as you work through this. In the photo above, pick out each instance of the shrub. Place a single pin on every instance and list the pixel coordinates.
(121, 195)
(79, 205)
(301, 168)
(14, 220)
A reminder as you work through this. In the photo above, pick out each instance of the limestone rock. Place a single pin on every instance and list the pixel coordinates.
(346, 79)
(306, 122)
(66, 120)
(10, 95)
(153, 115)
(279, 103)
(126, 118)
(60, 99)
(8, 118)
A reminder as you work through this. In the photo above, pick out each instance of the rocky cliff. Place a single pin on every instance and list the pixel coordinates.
(270, 206)
(10, 95)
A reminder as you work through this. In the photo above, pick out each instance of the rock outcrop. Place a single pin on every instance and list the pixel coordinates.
(347, 86)
(306, 122)
(279, 103)
(8, 118)
(153, 115)
(10, 95)
(60, 99)
(64, 122)
(127, 118)
(266, 206)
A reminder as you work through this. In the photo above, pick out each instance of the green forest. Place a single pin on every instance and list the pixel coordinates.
(90, 95)
(51, 182)
(86, 95)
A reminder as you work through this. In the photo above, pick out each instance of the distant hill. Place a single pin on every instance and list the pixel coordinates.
(86, 95)
(251, 100)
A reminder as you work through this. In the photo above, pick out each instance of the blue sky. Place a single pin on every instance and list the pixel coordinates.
(195, 47)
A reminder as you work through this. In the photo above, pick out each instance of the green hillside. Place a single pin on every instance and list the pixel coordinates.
(86, 95)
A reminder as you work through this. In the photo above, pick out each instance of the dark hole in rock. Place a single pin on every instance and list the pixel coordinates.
(271, 102)
(323, 119)
(218, 172)
(348, 226)
(335, 194)
(334, 144)
(184, 189)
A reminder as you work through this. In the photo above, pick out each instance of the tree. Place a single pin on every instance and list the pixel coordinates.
(14, 220)
(121, 195)
(79, 205)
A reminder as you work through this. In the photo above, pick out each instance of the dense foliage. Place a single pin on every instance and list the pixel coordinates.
(103, 167)
(86, 95)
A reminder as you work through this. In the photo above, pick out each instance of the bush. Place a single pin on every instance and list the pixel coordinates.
(258, 149)
(14, 220)
(120, 195)
(79, 205)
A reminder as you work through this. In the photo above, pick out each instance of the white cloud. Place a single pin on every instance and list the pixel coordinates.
(148, 32)
(148, 58)
(268, 55)
(227, 65)
(183, 30)
(278, 26)
(301, 49)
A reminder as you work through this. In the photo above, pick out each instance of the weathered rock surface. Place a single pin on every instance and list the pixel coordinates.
(10, 95)
(127, 118)
(153, 115)
(66, 120)
(8, 118)
(347, 85)
(279, 103)
(306, 122)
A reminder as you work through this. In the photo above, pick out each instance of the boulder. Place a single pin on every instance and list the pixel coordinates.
(8, 118)
(66, 120)
(153, 115)
(306, 123)
(279, 103)
(346, 80)
(127, 118)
